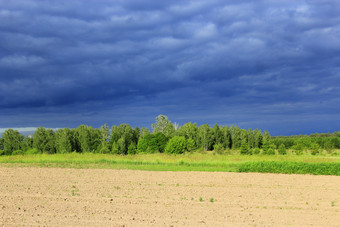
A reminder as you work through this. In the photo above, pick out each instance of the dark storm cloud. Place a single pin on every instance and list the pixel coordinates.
(260, 64)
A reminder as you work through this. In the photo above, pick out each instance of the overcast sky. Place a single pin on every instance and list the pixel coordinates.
(271, 65)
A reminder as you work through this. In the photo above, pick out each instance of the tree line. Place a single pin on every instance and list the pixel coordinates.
(165, 137)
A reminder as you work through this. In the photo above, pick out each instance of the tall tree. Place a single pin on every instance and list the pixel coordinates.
(188, 130)
(258, 139)
(121, 138)
(236, 137)
(217, 135)
(169, 131)
(205, 137)
(162, 124)
(44, 140)
(50, 145)
(1, 145)
(152, 143)
(27, 143)
(244, 147)
(84, 138)
(104, 136)
(135, 135)
(63, 140)
(74, 137)
(226, 137)
(144, 132)
(12, 141)
(265, 140)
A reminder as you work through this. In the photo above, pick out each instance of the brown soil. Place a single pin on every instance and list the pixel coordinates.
(103, 197)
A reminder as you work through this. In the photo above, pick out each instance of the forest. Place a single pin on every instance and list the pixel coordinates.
(165, 137)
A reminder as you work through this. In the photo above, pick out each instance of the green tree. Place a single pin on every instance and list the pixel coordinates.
(135, 135)
(236, 138)
(226, 137)
(245, 147)
(12, 141)
(95, 138)
(127, 135)
(115, 134)
(143, 144)
(114, 148)
(39, 139)
(152, 143)
(122, 136)
(205, 137)
(189, 131)
(265, 146)
(122, 149)
(84, 138)
(169, 131)
(104, 136)
(217, 135)
(132, 149)
(158, 142)
(50, 145)
(74, 138)
(191, 146)
(27, 144)
(176, 145)
(2, 146)
(63, 140)
(162, 125)
(44, 140)
(257, 139)
(266, 138)
(144, 132)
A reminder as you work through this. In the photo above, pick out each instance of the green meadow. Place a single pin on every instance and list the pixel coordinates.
(195, 161)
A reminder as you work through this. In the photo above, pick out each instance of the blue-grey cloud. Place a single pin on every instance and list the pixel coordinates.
(267, 64)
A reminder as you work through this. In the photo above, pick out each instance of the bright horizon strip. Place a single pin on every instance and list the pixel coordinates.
(24, 129)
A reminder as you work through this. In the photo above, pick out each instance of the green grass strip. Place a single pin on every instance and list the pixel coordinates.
(209, 161)
(291, 167)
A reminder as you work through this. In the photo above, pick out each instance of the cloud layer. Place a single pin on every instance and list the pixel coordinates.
(270, 64)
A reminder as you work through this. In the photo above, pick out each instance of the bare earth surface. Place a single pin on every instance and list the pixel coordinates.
(104, 197)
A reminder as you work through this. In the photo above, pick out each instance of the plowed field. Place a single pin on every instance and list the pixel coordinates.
(104, 197)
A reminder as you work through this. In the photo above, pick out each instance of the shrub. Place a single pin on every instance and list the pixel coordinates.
(255, 150)
(270, 150)
(298, 148)
(104, 150)
(32, 151)
(17, 152)
(282, 149)
(176, 145)
(218, 148)
(329, 146)
(315, 148)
